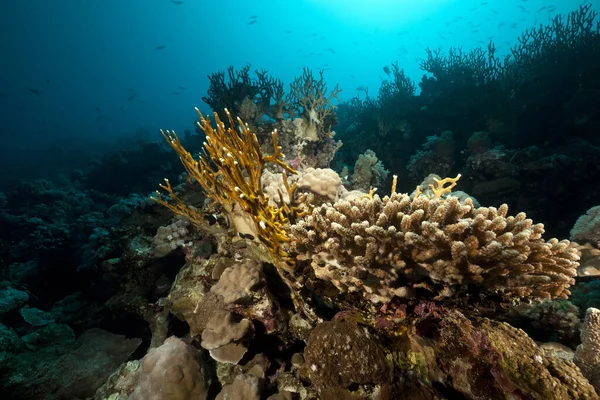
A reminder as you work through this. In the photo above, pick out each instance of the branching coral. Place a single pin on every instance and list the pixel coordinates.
(476, 67)
(398, 246)
(238, 92)
(311, 100)
(399, 84)
(546, 43)
(230, 174)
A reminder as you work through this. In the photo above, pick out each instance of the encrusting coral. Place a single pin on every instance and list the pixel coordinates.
(171, 371)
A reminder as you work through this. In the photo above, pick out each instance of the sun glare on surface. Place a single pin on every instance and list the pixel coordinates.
(384, 14)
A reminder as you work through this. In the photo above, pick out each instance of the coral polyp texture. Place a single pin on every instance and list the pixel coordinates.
(398, 246)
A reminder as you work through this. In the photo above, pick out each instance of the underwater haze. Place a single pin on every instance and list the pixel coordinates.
(95, 70)
(299, 200)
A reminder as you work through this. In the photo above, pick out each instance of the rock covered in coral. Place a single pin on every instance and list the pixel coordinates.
(169, 238)
(237, 283)
(398, 246)
(11, 298)
(71, 370)
(190, 298)
(436, 156)
(224, 337)
(442, 352)
(344, 361)
(369, 172)
(121, 383)
(587, 355)
(171, 372)
(243, 387)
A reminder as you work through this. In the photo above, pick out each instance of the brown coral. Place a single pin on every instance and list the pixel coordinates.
(394, 246)
(587, 356)
(171, 371)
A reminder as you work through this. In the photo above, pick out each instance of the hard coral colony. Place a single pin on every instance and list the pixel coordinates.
(386, 263)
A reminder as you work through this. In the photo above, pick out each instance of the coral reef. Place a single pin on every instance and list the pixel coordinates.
(263, 276)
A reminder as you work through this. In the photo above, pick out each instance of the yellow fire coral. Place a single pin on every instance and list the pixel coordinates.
(230, 174)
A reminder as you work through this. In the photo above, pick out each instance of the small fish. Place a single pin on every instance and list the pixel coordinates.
(159, 47)
(246, 236)
(387, 70)
(131, 97)
(361, 89)
(288, 32)
(252, 22)
(181, 87)
(352, 76)
(253, 17)
(330, 50)
(35, 91)
(178, 2)
(174, 93)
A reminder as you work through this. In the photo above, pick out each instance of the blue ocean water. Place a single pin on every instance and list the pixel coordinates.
(362, 272)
